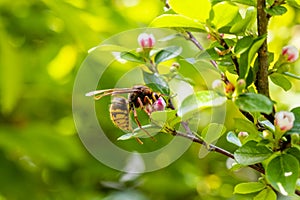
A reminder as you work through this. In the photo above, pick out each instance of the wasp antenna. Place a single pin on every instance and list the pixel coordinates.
(92, 93)
(139, 140)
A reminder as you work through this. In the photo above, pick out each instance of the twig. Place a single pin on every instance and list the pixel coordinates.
(210, 147)
(192, 38)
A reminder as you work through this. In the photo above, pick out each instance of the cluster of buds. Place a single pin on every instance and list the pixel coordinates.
(284, 120)
(229, 89)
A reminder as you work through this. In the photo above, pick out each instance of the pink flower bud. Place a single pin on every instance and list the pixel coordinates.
(146, 40)
(284, 120)
(290, 52)
(159, 104)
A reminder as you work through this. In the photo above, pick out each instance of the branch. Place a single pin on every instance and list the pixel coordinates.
(210, 147)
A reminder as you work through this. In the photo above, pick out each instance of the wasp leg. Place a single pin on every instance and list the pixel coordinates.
(139, 123)
(147, 108)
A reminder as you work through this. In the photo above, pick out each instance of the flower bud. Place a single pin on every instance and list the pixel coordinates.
(159, 104)
(284, 120)
(242, 135)
(174, 68)
(290, 53)
(218, 86)
(146, 40)
(240, 86)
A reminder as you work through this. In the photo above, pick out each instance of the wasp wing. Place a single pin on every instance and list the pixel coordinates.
(98, 94)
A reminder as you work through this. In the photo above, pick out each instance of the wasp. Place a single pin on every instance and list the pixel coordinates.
(139, 97)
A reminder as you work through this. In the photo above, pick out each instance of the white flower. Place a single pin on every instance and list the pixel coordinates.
(146, 40)
(290, 52)
(284, 120)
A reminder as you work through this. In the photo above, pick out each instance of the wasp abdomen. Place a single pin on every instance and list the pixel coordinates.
(119, 113)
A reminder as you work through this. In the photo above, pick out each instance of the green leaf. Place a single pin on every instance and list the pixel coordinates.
(213, 132)
(295, 3)
(281, 81)
(247, 57)
(129, 56)
(141, 132)
(247, 188)
(109, 47)
(282, 173)
(252, 102)
(276, 10)
(296, 126)
(174, 20)
(194, 9)
(156, 82)
(242, 25)
(167, 54)
(266, 194)
(291, 75)
(294, 152)
(255, 46)
(243, 44)
(199, 101)
(165, 118)
(245, 125)
(233, 138)
(224, 13)
(251, 153)
(246, 2)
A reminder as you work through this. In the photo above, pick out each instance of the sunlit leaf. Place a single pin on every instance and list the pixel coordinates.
(192, 8)
(213, 132)
(174, 20)
(198, 101)
(246, 2)
(224, 13)
(266, 194)
(251, 187)
(165, 118)
(243, 24)
(281, 81)
(282, 173)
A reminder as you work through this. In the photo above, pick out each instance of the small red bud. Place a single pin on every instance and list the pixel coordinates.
(290, 52)
(159, 104)
(146, 40)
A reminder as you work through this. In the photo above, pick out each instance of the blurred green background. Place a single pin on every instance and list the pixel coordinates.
(42, 45)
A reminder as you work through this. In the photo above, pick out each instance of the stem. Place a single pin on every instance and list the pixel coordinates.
(262, 81)
(291, 75)
(200, 47)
